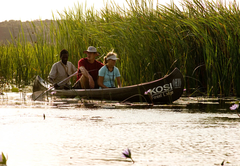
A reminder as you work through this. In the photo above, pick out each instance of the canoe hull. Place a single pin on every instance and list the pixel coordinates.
(164, 90)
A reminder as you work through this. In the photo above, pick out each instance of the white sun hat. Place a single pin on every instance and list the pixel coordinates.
(113, 57)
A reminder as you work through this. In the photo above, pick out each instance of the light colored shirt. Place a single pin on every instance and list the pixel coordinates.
(109, 77)
(60, 71)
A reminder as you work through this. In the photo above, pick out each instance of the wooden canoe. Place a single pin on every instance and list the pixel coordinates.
(164, 90)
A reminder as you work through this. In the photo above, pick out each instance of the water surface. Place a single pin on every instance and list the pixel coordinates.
(177, 135)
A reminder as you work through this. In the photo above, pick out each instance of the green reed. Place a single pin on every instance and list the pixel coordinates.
(201, 39)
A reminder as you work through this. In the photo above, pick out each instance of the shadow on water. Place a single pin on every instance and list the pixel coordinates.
(224, 119)
(210, 105)
(213, 106)
(216, 121)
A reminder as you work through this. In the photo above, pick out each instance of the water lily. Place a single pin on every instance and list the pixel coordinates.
(127, 154)
(53, 93)
(234, 107)
(147, 92)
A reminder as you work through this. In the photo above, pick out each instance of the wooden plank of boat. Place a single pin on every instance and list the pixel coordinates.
(164, 90)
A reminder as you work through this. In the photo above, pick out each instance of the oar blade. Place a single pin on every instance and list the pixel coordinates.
(38, 95)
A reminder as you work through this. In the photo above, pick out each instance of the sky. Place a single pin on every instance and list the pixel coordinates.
(42, 9)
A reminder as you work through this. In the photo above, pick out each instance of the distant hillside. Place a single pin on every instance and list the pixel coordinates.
(14, 27)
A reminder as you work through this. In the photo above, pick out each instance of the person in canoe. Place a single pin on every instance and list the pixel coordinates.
(109, 72)
(61, 70)
(88, 70)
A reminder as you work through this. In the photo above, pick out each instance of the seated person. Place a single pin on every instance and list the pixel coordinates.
(61, 70)
(88, 70)
(108, 73)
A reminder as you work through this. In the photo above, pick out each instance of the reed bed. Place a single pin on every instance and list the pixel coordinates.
(201, 38)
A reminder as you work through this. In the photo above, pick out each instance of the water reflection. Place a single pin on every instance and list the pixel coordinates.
(191, 131)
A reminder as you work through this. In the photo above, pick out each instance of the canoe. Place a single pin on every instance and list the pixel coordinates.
(163, 90)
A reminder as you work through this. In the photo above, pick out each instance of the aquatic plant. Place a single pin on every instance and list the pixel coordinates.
(235, 107)
(53, 93)
(222, 164)
(3, 159)
(147, 92)
(127, 154)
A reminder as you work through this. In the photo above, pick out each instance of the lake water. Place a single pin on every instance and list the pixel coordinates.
(191, 132)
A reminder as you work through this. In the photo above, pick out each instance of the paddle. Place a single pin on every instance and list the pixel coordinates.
(59, 83)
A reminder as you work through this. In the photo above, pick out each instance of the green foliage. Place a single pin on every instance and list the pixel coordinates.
(14, 89)
(202, 39)
(3, 159)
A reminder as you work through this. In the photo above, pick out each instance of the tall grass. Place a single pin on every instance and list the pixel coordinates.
(202, 39)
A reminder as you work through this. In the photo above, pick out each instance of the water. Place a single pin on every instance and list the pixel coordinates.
(159, 136)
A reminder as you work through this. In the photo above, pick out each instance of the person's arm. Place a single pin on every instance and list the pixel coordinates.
(82, 69)
(101, 74)
(52, 74)
(119, 82)
(78, 76)
(100, 82)
(74, 69)
(118, 75)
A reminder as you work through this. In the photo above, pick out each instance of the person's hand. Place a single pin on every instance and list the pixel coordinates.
(84, 71)
(56, 85)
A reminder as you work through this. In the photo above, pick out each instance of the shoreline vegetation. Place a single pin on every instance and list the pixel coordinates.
(201, 39)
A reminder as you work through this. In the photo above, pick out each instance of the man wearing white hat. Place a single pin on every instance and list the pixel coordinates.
(88, 70)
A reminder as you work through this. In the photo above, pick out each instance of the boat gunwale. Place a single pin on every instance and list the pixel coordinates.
(121, 88)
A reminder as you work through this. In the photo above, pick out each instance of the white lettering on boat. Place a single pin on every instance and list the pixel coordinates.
(162, 95)
(165, 90)
(161, 91)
